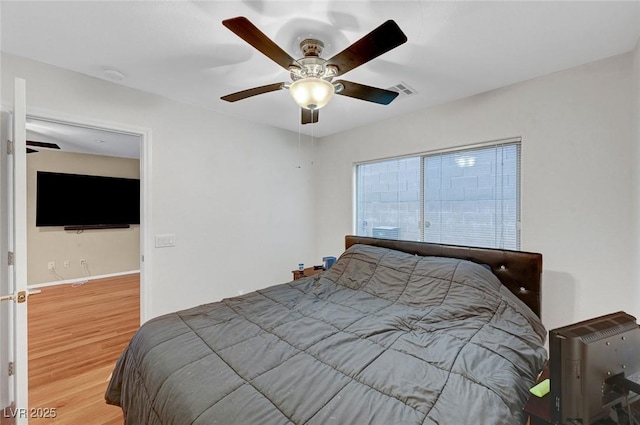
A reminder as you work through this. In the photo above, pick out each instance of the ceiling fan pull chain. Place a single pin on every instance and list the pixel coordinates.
(299, 141)
(313, 133)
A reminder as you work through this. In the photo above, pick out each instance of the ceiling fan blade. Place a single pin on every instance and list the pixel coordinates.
(42, 144)
(244, 29)
(368, 93)
(233, 97)
(29, 150)
(382, 39)
(308, 116)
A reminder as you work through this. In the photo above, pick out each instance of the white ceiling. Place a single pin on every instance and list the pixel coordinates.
(181, 50)
(82, 139)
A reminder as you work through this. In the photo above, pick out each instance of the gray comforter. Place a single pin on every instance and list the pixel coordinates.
(383, 337)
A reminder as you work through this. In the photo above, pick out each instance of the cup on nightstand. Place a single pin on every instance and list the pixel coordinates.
(328, 262)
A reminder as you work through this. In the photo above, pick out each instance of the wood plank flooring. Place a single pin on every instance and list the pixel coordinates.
(76, 334)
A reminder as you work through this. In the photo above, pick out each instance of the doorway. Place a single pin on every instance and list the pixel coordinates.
(79, 175)
(80, 267)
(88, 136)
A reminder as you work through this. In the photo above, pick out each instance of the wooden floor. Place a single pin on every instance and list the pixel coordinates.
(76, 334)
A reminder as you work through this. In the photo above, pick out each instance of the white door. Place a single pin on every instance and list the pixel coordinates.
(17, 270)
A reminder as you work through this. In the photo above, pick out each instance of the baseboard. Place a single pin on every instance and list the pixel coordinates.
(80, 279)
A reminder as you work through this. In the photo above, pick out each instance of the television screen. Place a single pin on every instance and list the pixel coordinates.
(82, 200)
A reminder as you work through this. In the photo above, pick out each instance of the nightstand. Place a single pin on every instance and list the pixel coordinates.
(539, 408)
(309, 271)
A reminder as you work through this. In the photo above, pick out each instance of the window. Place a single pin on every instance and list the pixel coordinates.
(461, 197)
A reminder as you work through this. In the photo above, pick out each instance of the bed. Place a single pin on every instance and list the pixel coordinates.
(394, 333)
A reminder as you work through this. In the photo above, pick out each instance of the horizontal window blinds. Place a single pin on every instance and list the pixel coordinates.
(388, 199)
(463, 197)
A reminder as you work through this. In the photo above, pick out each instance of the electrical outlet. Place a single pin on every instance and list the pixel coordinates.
(51, 265)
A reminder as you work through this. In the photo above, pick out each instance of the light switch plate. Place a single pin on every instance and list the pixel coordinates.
(165, 240)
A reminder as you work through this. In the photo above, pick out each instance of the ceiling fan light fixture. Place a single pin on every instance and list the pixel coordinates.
(311, 92)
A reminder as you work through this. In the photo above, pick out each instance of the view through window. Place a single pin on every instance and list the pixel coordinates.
(462, 197)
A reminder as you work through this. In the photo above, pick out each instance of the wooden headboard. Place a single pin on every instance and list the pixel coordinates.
(519, 271)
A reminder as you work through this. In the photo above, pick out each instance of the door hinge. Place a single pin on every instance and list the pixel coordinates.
(10, 258)
(11, 369)
(9, 147)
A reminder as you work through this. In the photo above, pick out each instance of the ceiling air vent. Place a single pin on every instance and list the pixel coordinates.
(403, 89)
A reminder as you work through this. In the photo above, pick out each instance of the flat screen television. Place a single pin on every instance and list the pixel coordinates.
(85, 201)
(585, 357)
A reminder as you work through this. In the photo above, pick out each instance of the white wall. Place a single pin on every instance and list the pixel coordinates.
(229, 190)
(576, 129)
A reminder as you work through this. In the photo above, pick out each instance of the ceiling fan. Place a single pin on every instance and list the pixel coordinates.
(312, 76)
(40, 145)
